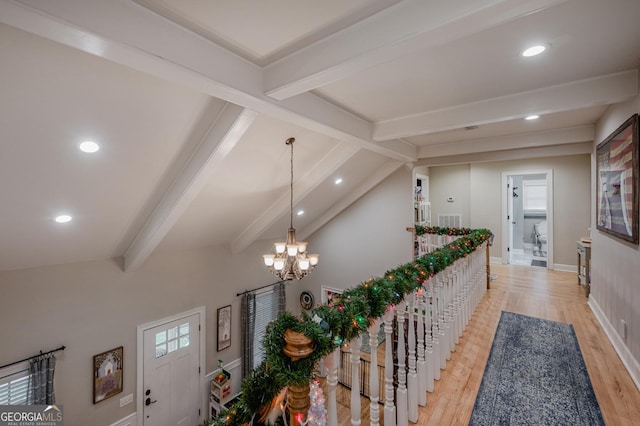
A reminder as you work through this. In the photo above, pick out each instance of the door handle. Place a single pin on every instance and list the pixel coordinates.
(148, 401)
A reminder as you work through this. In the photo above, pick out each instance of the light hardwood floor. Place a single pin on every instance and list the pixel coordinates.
(530, 291)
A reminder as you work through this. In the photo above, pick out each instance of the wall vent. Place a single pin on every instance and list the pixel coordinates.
(449, 220)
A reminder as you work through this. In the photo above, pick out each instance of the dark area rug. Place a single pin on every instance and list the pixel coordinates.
(542, 263)
(535, 375)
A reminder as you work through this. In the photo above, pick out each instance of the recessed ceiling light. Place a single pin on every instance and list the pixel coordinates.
(532, 117)
(300, 212)
(89, 147)
(63, 218)
(338, 181)
(534, 50)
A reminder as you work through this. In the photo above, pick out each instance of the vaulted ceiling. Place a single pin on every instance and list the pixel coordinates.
(191, 102)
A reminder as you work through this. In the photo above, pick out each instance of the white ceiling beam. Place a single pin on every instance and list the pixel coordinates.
(402, 29)
(569, 135)
(509, 155)
(314, 113)
(602, 90)
(126, 33)
(318, 173)
(380, 174)
(224, 132)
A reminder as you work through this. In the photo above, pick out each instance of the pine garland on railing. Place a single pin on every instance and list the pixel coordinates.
(347, 317)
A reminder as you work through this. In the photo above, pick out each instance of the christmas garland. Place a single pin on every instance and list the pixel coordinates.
(347, 317)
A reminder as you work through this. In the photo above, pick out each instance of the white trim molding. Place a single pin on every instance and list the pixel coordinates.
(550, 211)
(126, 421)
(565, 268)
(632, 365)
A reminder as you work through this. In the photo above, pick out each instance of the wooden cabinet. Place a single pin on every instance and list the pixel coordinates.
(584, 266)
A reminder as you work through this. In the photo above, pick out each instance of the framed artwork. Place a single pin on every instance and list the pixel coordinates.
(330, 294)
(617, 182)
(107, 374)
(224, 328)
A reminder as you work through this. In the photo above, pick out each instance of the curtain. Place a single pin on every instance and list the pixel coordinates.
(281, 294)
(41, 369)
(248, 323)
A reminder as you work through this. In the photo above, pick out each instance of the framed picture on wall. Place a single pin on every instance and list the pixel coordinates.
(224, 328)
(617, 182)
(107, 374)
(330, 294)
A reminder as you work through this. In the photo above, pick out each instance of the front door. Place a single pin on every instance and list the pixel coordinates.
(171, 373)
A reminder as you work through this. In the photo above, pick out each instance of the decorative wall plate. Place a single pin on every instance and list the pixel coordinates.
(306, 300)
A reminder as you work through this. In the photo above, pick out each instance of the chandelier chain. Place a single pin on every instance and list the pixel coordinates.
(291, 189)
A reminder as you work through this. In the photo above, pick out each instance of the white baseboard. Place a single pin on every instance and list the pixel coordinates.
(493, 259)
(632, 365)
(130, 420)
(565, 268)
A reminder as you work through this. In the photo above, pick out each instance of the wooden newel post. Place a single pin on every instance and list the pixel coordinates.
(298, 346)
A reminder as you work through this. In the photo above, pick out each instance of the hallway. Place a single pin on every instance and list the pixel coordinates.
(540, 293)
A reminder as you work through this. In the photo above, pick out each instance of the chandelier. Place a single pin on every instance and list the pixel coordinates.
(291, 259)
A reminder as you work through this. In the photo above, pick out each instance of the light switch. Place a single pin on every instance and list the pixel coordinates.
(128, 399)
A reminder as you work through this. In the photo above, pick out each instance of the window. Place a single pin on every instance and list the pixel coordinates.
(14, 384)
(534, 195)
(171, 340)
(266, 311)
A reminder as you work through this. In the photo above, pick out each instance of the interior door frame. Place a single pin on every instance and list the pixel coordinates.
(509, 198)
(504, 221)
(202, 315)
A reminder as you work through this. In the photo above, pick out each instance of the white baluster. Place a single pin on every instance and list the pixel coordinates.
(331, 361)
(450, 312)
(412, 378)
(457, 295)
(428, 348)
(389, 407)
(422, 365)
(355, 381)
(444, 345)
(401, 393)
(435, 331)
(374, 384)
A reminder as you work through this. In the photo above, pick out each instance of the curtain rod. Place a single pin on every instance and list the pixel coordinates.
(260, 288)
(61, 348)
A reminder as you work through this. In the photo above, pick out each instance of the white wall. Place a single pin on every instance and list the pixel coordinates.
(572, 203)
(367, 239)
(457, 186)
(615, 264)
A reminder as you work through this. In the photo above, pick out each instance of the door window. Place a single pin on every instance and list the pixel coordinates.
(171, 340)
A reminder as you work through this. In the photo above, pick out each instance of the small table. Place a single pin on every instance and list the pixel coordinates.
(584, 266)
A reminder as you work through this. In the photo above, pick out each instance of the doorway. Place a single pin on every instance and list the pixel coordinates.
(527, 225)
(170, 351)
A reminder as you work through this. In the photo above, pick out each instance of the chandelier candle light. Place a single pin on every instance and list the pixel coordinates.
(291, 259)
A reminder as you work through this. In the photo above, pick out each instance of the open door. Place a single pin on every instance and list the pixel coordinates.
(526, 220)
